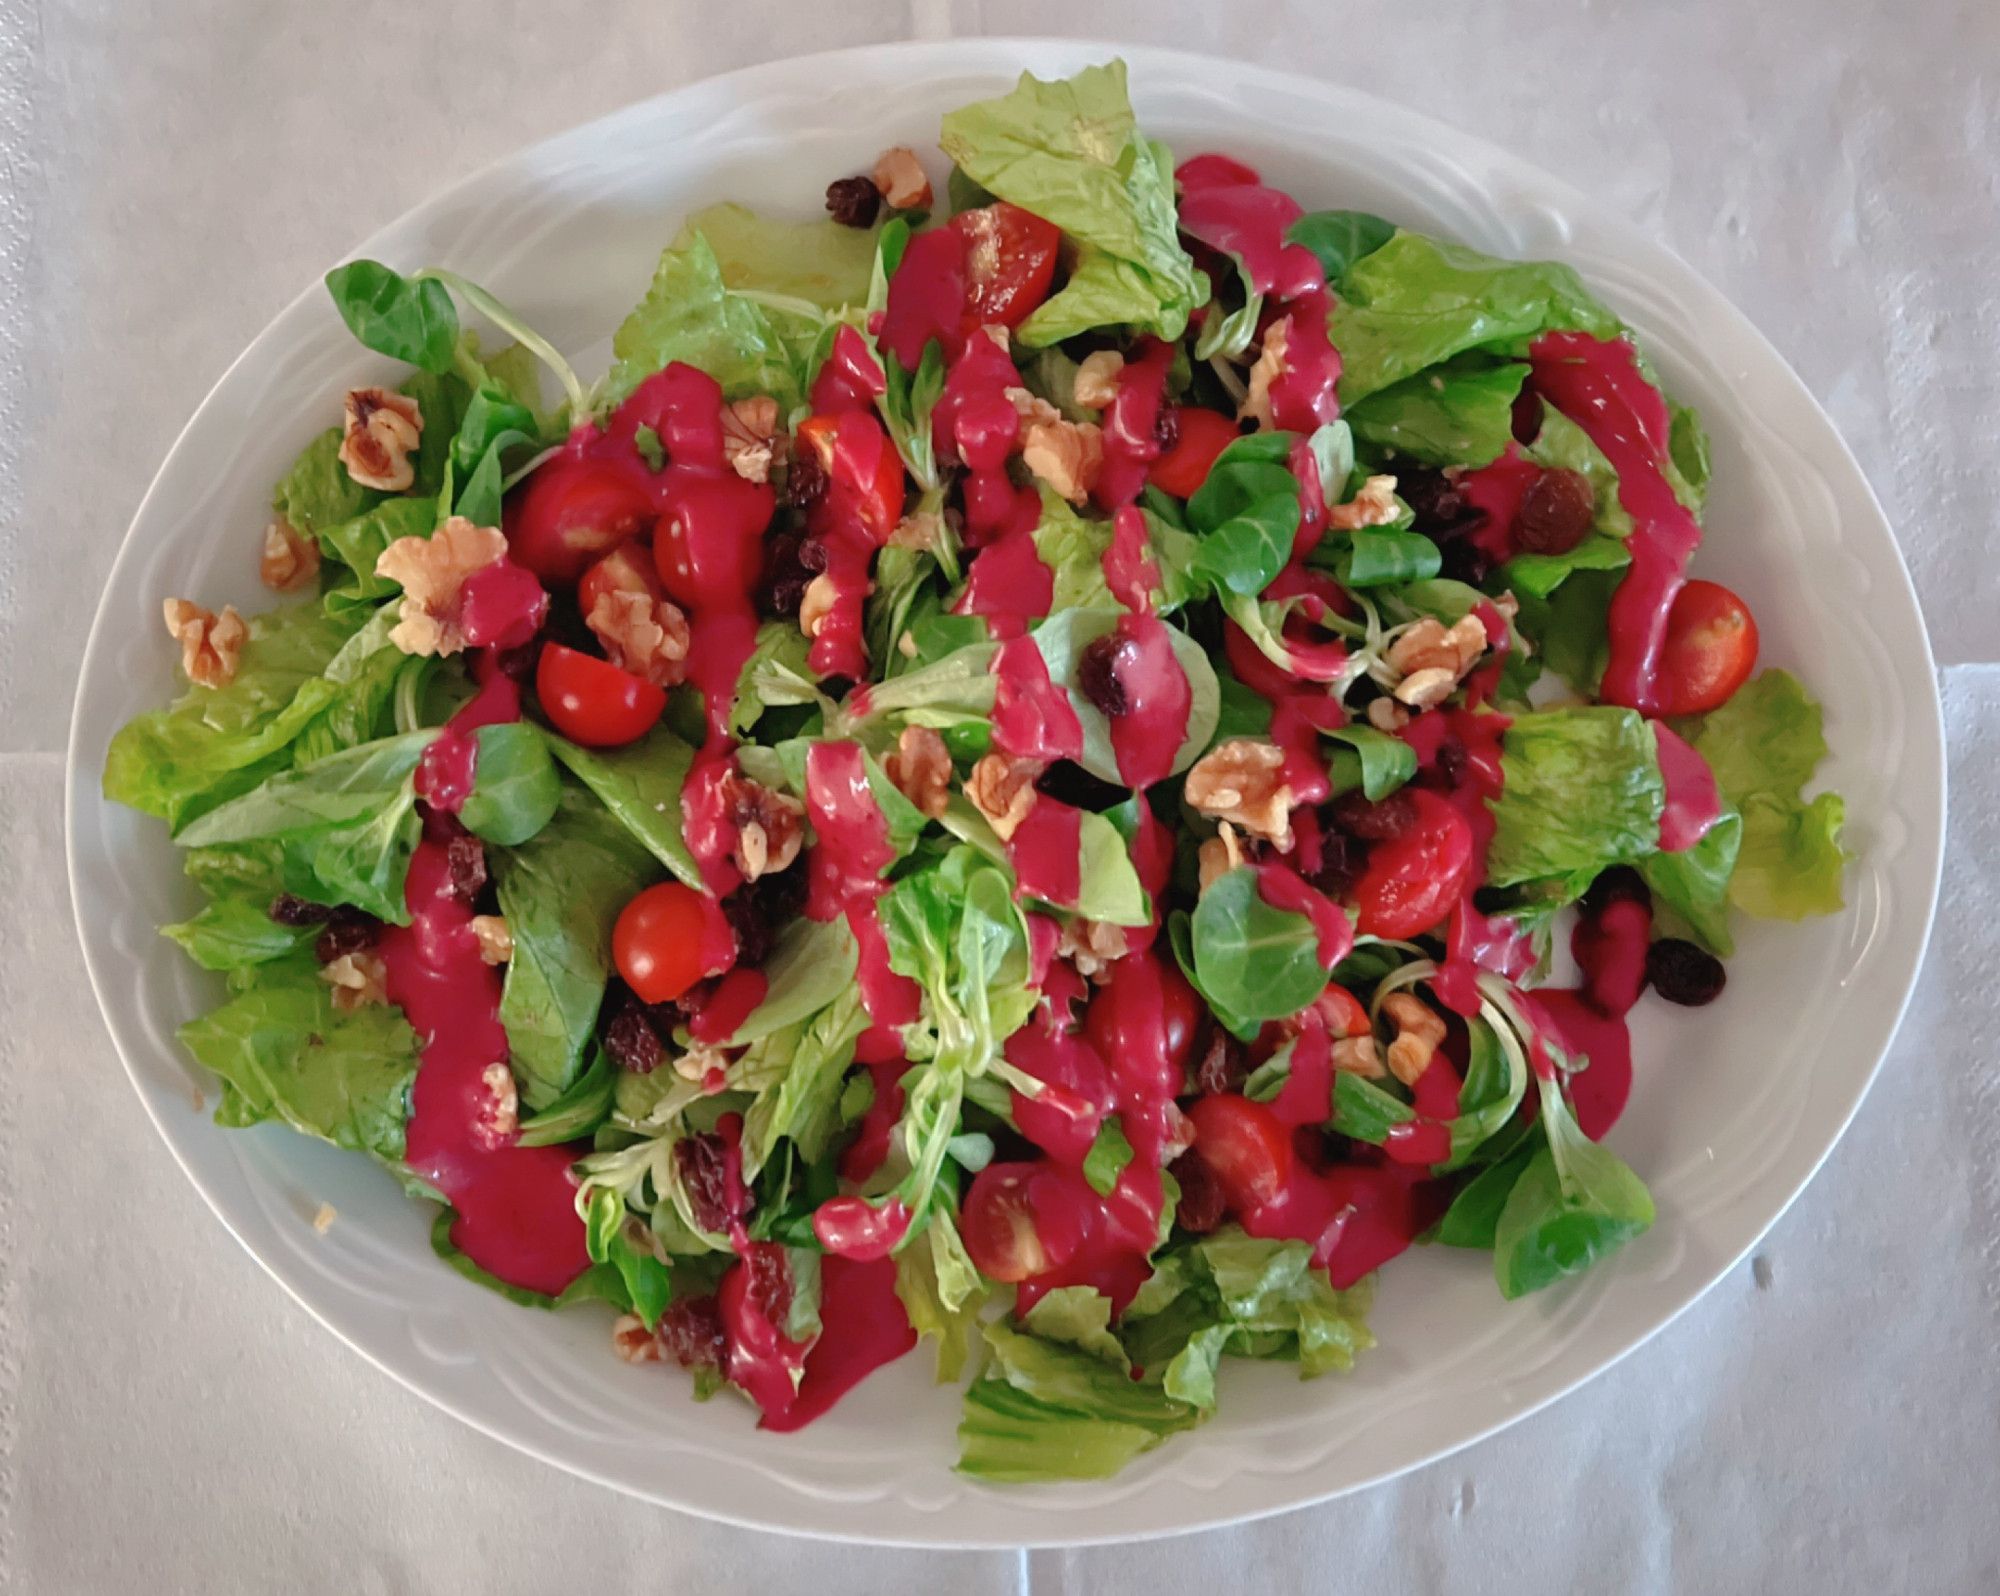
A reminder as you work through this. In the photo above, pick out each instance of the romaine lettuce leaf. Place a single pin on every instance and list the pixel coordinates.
(1583, 792)
(1462, 413)
(818, 261)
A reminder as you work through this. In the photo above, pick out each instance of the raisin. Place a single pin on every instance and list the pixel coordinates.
(632, 1042)
(853, 201)
(518, 662)
(466, 857)
(814, 555)
(1201, 1205)
(1683, 973)
(1434, 500)
(691, 1333)
(1383, 820)
(1619, 884)
(348, 931)
(1224, 1065)
(1465, 561)
(805, 482)
(1556, 513)
(703, 1163)
(785, 576)
(1097, 673)
(1450, 762)
(1343, 860)
(1167, 427)
(295, 912)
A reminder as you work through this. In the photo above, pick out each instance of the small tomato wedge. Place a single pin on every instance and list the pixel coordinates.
(1245, 1147)
(1710, 649)
(1022, 1220)
(656, 943)
(593, 702)
(1010, 260)
(1413, 879)
(569, 513)
(864, 474)
(1203, 435)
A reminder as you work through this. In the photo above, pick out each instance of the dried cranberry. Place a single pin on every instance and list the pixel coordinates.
(1683, 973)
(1224, 1065)
(295, 912)
(632, 1042)
(1343, 859)
(691, 1333)
(814, 555)
(1450, 761)
(853, 201)
(348, 931)
(805, 482)
(1097, 673)
(1434, 500)
(785, 576)
(1383, 820)
(703, 1162)
(1556, 513)
(1619, 884)
(1201, 1204)
(465, 855)
(1167, 427)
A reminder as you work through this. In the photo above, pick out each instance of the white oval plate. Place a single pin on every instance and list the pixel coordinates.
(1735, 1104)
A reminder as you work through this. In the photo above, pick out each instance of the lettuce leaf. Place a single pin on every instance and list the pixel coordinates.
(1583, 792)
(1460, 414)
(819, 261)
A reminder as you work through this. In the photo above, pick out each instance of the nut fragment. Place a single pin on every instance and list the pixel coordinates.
(1419, 1033)
(497, 1120)
(642, 634)
(1031, 408)
(496, 942)
(1002, 788)
(1243, 781)
(432, 571)
(1067, 455)
(1374, 505)
(358, 979)
(696, 1063)
(920, 529)
(752, 437)
(633, 1341)
(1092, 946)
(1269, 368)
(899, 176)
(1434, 659)
(323, 1218)
(920, 767)
(1385, 714)
(1359, 1055)
(381, 430)
(1097, 379)
(1426, 689)
(770, 826)
(1221, 854)
(211, 644)
(290, 559)
(821, 596)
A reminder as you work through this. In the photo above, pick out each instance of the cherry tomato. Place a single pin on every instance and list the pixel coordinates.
(710, 550)
(1010, 259)
(1710, 650)
(1022, 1220)
(1146, 1003)
(656, 943)
(1182, 469)
(572, 511)
(1413, 879)
(1244, 1146)
(1343, 1013)
(593, 702)
(864, 474)
(626, 569)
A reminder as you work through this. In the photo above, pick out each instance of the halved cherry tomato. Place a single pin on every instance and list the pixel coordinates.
(864, 474)
(1146, 1002)
(1022, 1220)
(593, 702)
(1710, 650)
(1182, 469)
(656, 943)
(1413, 879)
(1010, 259)
(1343, 1013)
(1244, 1146)
(626, 569)
(710, 550)
(572, 511)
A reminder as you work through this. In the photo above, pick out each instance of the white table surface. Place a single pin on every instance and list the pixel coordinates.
(171, 174)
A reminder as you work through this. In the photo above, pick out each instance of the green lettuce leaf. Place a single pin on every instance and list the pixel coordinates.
(1693, 885)
(1462, 413)
(820, 261)
(1251, 961)
(640, 785)
(1574, 1203)
(1583, 792)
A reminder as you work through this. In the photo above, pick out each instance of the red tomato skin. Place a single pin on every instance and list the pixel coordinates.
(626, 569)
(656, 943)
(1710, 649)
(1022, 1220)
(1244, 1146)
(593, 702)
(1204, 434)
(1412, 881)
(864, 472)
(1343, 1013)
(569, 513)
(709, 551)
(1010, 260)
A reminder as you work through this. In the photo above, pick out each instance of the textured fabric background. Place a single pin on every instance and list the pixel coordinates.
(170, 175)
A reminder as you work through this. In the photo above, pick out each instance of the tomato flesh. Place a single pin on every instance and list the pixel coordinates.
(1342, 1012)
(1181, 470)
(569, 513)
(593, 702)
(656, 943)
(1010, 260)
(864, 474)
(1413, 880)
(1022, 1220)
(1245, 1147)
(1710, 649)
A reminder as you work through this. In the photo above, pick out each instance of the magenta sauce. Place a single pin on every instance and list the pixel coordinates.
(862, 1327)
(853, 1227)
(926, 297)
(445, 771)
(1130, 423)
(1145, 740)
(501, 605)
(1473, 942)
(1045, 852)
(1597, 383)
(1693, 803)
(851, 378)
(1032, 717)
(1304, 465)
(1496, 490)
(1282, 887)
(1130, 572)
(1008, 584)
(862, 452)
(1076, 1091)
(733, 1001)
(870, 1147)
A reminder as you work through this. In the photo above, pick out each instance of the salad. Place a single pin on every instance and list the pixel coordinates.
(1064, 764)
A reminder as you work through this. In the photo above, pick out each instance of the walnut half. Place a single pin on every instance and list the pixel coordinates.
(920, 767)
(211, 644)
(1002, 789)
(290, 559)
(770, 826)
(431, 571)
(1243, 781)
(1434, 659)
(1419, 1033)
(381, 428)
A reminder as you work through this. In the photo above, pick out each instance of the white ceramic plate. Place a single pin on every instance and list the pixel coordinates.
(1735, 1104)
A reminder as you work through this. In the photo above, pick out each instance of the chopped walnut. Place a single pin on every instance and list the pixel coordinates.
(1243, 781)
(1067, 455)
(920, 767)
(1359, 1055)
(920, 529)
(1419, 1033)
(1374, 505)
(696, 1063)
(633, 1341)
(290, 559)
(1221, 854)
(431, 571)
(1031, 409)
(1002, 789)
(1097, 379)
(496, 942)
(1426, 689)
(899, 176)
(358, 979)
(770, 826)
(1093, 947)
(642, 634)
(211, 644)
(821, 596)
(752, 437)
(1385, 714)
(381, 430)
(497, 1120)
(1434, 659)
(323, 1218)
(1508, 606)
(1270, 367)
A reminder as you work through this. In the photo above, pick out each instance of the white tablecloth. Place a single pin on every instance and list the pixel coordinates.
(170, 174)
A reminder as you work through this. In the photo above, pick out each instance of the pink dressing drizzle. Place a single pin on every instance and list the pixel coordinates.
(1693, 804)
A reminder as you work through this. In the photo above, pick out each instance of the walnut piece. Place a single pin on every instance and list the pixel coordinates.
(1434, 659)
(496, 942)
(1374, 505)
(770, 826)
(1092, 946)
(899, 176)
(1359, 1055)
(633, 1341)
(323, 1218)
(358, 979)
(381, 430)
(642, 634)
(920, 767)
(1030, 407)
(1243, 781)
(1269, 368)
(1002, 789)
(822, 595)
(1385, 714)
(1097, 379)
(1419, 1033)
(498, 1119)
(211, 644)
(1067, 455)
(751, 437)
(290, 559)
(432, 570)
(1221, 854)
(698, 1060)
